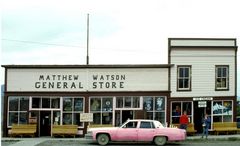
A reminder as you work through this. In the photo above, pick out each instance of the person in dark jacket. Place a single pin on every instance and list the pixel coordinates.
(206, 125)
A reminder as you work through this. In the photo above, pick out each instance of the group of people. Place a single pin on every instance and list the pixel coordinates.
(184, 120)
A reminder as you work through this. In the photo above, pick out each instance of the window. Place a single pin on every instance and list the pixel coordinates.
(222, 77)
(45, 102)
(184, 78)
(222, 111)
(128, 102)
(72, 107)
(131, 124)
(147, 125)
(102, 108)
(178, 108)
(17, 110)
(154, 108)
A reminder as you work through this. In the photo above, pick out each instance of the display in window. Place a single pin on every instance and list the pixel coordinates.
(159, 103)
(227, 110)
(218, 108)
(67, 119)
(67, 104)
(107, 105)
(95, 104)
(78, 104)
(148, 104)
(177, 110)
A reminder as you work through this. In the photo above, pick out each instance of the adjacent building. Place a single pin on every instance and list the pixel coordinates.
(200, 77)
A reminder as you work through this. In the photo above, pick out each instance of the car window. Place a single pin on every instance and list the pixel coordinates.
(147, 125)
(130, 125)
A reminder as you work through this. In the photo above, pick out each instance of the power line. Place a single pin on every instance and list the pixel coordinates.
(40, 43)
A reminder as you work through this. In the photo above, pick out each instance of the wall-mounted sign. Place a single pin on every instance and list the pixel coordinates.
(202, 103)
(202, 98)
(86, 117)
(80, 80)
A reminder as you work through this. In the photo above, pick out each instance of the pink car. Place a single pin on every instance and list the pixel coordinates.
(137, 130)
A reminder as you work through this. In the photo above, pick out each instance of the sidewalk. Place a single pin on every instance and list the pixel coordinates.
(9, 141)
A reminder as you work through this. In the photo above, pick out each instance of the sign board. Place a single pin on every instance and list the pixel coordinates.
(202, 98)
(86, 117)
(202, 103)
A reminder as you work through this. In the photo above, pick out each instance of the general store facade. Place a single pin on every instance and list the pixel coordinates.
(200, 77)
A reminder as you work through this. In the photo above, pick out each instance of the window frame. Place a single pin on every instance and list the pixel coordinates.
(184, 78)
(227, 77)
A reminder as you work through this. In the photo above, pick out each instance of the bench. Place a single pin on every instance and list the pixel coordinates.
(190, 128)
(225, 127)
(23, 130)
(64, 130)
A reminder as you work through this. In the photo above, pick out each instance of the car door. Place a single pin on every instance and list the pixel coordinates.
(128, 132)
(146, 131)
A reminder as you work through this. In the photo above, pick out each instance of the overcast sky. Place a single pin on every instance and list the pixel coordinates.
(121, 31)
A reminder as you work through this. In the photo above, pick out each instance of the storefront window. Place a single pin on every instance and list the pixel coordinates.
(154, 108)
(56, 117)
(102, 108)
(222, 111)
(67, 104)
(55, 103)
(72, 107)
(17, 111)
(119, 102)
(45, 102)
(178, 108)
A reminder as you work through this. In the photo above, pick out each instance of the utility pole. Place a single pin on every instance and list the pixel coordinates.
(87, 38)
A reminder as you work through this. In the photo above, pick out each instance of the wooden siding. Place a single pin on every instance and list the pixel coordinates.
(203, 64)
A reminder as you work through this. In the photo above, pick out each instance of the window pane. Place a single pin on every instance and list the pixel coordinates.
(23, 118)
(13, 118)
(160, 116)
(36, 102)
(136, 102)
(107, 118)
(78, 104)
(160, 103)
(186, 72)
(217, 107)
(127, 102)
(227, 108)
(67, 118)
(224, 72)
(95, 104)
(45, 102)
(119, 102)
(13, 103)
(145, 125)
(148, 115)
(187, 106)
(148, 103)
(181, 83)
(107, 104)
(176, 109)
(181, 72)
(217, 118)
(76, 119)
(227, 118)
(186, 83)
(67, 104)
(55, 102)
(96, 118)
(24, 104)
(56, 117)
(219, 72)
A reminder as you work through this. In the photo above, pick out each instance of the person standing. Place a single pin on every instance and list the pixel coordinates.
(183, 121)
(206, 125)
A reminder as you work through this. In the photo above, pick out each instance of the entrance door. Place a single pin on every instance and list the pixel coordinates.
(199, 113)
(45, 123)
(128, 114)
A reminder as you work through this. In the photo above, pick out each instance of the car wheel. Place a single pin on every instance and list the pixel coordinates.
(103, 139)
(160, 140)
